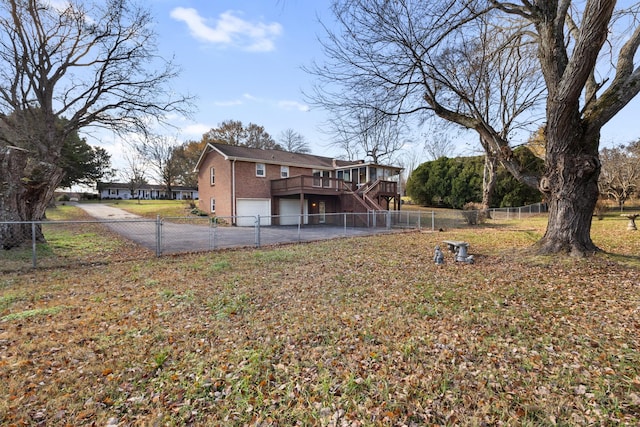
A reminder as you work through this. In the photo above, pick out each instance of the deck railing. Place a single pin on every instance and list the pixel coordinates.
(311, 184)
(307, 184)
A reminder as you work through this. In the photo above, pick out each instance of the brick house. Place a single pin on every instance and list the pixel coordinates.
(241, 183)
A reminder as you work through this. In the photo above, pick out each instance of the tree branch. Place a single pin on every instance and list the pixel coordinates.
(625, 86)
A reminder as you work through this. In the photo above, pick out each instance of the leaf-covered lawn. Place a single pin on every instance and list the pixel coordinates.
(365, 331)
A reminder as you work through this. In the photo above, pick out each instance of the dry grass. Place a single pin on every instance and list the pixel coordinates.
(363, 331)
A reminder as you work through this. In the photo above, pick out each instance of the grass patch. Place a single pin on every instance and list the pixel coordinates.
(219, 266)
(152, 208)
(80, 242)
(31, 313)
(7, 300)
(354, 331)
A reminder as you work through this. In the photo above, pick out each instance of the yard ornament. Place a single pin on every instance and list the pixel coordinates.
(438, 256)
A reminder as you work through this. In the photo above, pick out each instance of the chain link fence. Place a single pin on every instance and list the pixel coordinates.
(518, 212)
(45, 244)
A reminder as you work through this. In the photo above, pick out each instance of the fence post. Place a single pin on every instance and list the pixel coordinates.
(257, 231)
(388, 220)
(33, 244)
(300, 219)
(433, 221)
(158, 236)
(344, 220)
(212, 233)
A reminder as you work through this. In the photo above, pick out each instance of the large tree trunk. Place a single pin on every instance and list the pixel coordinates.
(26, 187)
(570, 185)
(489, 179)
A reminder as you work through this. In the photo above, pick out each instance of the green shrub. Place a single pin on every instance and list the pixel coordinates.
(198, 212)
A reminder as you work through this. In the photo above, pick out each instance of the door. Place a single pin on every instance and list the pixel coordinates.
(322, 210)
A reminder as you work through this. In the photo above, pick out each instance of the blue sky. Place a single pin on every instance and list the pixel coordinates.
(243, 60)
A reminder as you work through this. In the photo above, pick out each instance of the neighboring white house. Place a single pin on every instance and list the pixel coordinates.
(121, 191)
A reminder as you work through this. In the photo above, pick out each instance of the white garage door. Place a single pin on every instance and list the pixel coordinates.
(248, 209)
(290, 211)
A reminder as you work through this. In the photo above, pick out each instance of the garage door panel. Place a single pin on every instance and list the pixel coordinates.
(290, 211)
(248, 209)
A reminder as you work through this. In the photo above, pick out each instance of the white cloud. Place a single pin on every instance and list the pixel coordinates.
(195, 130)
(238, 101)
(230, 103)
(251, 97)
(293, 105)
(230, 30)
(247, 98)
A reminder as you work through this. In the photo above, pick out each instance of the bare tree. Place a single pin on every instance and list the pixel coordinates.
(158, 153)
(292, 141)
(91, 63)
(499, 83)
(620, 175)
(437, 141)
(342, 138)
(368, 133)
(134, 174)
(399, 56)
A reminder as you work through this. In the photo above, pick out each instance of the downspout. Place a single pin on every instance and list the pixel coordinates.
(233, 190)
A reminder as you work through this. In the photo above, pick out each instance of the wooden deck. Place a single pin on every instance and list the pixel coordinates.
(305, 184)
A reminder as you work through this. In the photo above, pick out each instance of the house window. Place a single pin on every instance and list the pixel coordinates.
(321, 178)
(213, 205)
(344, 175)
(212, 175)
(260, 169)
(284, 171)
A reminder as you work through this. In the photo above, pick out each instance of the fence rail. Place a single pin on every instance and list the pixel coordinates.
(518, 212)
(63, 243)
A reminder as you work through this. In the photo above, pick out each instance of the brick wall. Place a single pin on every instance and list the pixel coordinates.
(220, 190)
(248, 185)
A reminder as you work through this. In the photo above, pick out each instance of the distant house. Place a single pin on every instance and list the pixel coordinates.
(122, 191)
(241, 183)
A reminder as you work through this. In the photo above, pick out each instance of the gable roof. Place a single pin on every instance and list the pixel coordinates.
(278, 157)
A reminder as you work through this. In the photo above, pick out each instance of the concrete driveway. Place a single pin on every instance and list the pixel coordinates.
(105, 212)
(198, 234)
(189, 235)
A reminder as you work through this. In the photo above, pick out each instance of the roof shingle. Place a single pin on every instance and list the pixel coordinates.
(279, 157)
